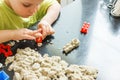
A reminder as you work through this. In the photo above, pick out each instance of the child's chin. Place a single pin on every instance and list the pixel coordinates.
(26, 16)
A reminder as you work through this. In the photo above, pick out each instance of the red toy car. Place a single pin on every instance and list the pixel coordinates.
(85, 27)
(39, 40)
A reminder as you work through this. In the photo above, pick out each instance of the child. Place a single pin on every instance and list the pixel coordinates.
(17, 15)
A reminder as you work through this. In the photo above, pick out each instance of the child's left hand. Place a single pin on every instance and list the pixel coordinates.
(46, 29)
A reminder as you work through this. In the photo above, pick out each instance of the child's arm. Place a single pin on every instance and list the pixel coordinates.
(6, 35)
(51, 15)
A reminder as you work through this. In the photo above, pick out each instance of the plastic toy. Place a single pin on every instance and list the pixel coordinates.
(3, 76)
(85, 27)
(39, 40)
(6, 50)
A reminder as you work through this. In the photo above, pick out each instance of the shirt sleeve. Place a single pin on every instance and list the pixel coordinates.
(1, 21)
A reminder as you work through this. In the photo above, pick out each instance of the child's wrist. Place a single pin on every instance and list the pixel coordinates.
(12, 32)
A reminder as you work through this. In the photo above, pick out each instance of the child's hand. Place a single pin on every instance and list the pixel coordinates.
(46, 29)
(25, 34)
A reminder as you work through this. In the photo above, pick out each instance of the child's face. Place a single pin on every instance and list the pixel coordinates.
(24, 8)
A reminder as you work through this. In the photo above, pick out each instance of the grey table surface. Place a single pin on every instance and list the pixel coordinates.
(99, 48)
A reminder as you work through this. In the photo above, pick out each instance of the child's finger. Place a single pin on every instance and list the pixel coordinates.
(37, 35)
(29, 37)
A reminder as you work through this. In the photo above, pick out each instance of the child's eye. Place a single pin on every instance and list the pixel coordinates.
(26, 5)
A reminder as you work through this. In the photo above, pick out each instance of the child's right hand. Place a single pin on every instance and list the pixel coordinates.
(25, 34)
(46, 29)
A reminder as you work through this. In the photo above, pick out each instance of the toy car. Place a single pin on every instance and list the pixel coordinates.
(85, 27)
